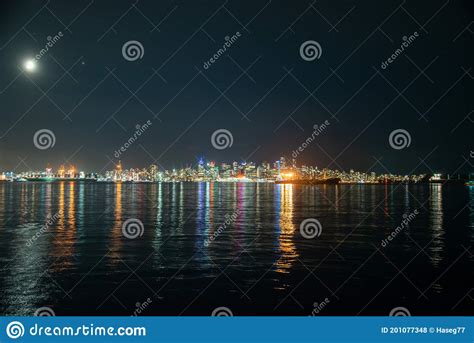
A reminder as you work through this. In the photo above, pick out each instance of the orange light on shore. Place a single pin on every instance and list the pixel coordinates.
(72, 170)
(61, 171)
(287, 175)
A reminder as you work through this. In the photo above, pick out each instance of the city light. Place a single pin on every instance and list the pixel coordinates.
(281, 171)
(287, 175)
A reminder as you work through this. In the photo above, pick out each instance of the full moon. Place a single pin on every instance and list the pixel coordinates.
(30, 65)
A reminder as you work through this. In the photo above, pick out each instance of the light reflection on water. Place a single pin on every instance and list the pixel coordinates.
(286, 228)
(83, 249)
(436, 223)
(116, 233)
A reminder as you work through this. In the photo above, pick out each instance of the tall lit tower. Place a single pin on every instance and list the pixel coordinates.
(61, 171)
(72, 171)
(49, 171)
(118, 171)
(154, 172)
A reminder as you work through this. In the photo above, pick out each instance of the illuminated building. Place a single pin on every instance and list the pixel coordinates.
(224, 172)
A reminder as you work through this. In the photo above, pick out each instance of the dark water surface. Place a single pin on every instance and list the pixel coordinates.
(81, 264)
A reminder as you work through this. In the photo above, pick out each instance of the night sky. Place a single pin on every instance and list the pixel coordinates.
(260, 89)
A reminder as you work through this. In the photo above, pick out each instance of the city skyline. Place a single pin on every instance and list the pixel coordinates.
(280, 170)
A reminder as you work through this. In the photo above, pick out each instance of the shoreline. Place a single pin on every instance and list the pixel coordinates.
(296, 182)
